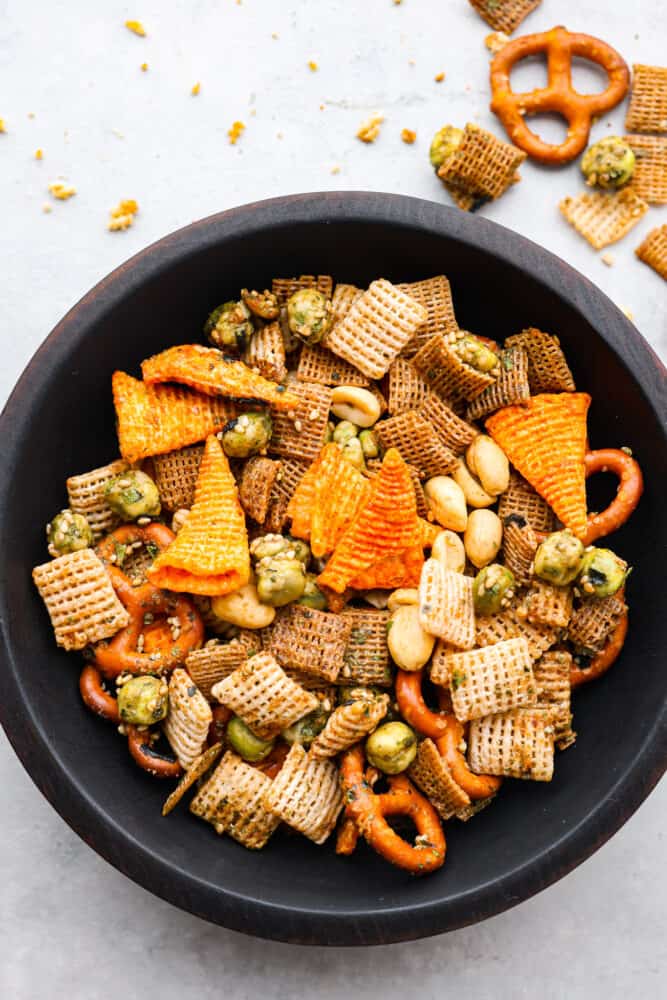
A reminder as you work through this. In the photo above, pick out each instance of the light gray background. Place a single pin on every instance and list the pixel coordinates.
(70, 925)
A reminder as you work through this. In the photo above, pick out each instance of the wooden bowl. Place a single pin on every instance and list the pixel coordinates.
(59, 421)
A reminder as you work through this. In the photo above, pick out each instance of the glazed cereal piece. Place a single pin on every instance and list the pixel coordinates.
(86, 496)
(603, 218)
(283, 288)
(418, 443)
(318, 364)
(648, 100)
(548, 371)
(366, 657)
(188, 718)
(435, 295)
(265, 353)
(552, 676)
(481, 168)
(176, 474)
(79, 598)
(455, 433)
(446, 606)
(430, 772)
(156, 419)
(406, 389)
(209, 555)
(313, 642)
(197, 769)
(516, 744)
(299, 433)
(507, 624)
(523, 501)
(376, 328)
(490, 680)
(653, 250)
(594, 621)
(519, 547)
(505, 15)
(650, 177)
(348, 724)
(447, 374)
(262, 694)
(510, 388)
(546, 441)
(232, 801)
(217, 660)
(306, 795)
(256, 484)
(544, 604)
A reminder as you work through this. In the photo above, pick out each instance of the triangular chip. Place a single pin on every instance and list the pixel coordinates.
(546, 442)
(400, 570)
(152, 420)
(209, 371)
(300, 507)
(210, 553)
(340, 490)
(386, 525)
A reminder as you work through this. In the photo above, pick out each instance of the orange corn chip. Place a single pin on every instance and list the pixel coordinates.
(546, 442)
(208, 371)
(400, 570)
(386, 525)
(155, 419)
(340, 491)
(300, 507)
(428, 532)
(210, 553)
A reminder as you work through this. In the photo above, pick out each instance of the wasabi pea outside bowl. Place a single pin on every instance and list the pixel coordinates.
(59, 421)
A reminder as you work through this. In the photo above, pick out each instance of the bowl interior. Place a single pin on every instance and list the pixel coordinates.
(62, 423)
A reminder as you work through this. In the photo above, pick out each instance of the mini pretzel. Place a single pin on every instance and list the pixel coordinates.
(95, 697)
(630, 489)
(369, 810)
(150, 760)
(559, 96)
(160, 652)
(604, 659)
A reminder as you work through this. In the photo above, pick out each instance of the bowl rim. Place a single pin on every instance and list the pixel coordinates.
(119, 848)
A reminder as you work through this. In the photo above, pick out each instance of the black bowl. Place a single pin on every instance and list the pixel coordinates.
(59, 421)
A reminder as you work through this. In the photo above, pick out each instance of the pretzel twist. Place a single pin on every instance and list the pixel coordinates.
(160, 652)
(559, 95)
(369, 812)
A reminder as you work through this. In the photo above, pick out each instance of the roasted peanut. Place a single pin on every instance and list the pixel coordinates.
(489, 463)
(449, 550)
(483, 537)
(410, 646)
(359, 406)
(447, 502)
(473, 491)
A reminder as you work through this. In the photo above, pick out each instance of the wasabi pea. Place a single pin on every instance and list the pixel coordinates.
(133, 494)
(309, 314)
(247, 434)
(143, 701)
(608, 163)
(229, 327)
(68, 532)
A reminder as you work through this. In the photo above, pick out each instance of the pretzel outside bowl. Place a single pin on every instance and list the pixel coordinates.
(559, 96)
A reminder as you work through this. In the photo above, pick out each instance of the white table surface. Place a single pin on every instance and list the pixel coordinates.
(70, 83)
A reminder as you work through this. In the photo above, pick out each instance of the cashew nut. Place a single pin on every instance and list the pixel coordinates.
(410, 646)
(489, 463)
(448, 549)
(243, 608)
(359, 406)
(447, 502)
(472, 489)
(483, 537)
(404, 595)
